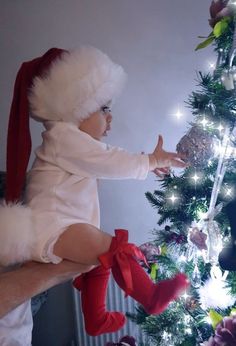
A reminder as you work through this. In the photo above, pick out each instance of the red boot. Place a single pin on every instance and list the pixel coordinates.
(132, 278)
(93, 287)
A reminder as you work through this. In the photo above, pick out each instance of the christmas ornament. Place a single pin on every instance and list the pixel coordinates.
(220, 171)
(228, 78)
(124, 341)
(229, 75)
(196, 277)
(225, 333)
(196, 146)
(214, 240)
(173, 237)
(150, 251)
(221, 12)
(191, 303)
(177, 238)
(227, 257)
(192, 253)
(219, 9)
(211, 228)
(214, 293)
(198, 238)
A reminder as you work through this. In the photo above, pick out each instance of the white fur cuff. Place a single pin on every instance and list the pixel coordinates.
(16, 233)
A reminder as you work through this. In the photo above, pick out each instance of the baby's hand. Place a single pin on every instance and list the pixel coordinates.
(161, 160)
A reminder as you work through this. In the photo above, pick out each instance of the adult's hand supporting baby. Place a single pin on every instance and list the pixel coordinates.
(32, 278)
(160, 160)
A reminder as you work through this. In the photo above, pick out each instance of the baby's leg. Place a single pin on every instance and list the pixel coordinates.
(82, 243)
(119, 255)
(85, 243)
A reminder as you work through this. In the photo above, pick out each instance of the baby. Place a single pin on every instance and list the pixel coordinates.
(71, 93)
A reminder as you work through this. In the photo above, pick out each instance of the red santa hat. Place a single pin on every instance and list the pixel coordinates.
(58, 86)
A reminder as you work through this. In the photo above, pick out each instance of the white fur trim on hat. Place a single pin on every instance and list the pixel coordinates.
(77, 84)
(16, 234)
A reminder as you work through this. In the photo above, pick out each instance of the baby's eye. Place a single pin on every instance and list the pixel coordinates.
(105, 109)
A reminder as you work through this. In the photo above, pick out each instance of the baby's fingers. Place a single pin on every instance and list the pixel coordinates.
(176, 156)
(178, 163)
(165, 170)
(161, 172)
(158, 173)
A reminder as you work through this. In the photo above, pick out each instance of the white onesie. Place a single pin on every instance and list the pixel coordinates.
(62, 184)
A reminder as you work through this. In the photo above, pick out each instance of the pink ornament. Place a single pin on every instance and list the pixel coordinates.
(150, 251)
(225, 333)
(125, 341)
(218, 10)
(198, 238)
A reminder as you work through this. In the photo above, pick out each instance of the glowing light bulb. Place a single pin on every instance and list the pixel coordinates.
(196, 277)
(212, 65)
(173, 198)
(166, 336)
(201, 214)
(185, 295)
(228, 191)
(220, 128)
(188, 331)
(178, 114)
(204, 122)
(182, 258)
(195, 177)
(207, 319)
(209, 162)
(187, 319)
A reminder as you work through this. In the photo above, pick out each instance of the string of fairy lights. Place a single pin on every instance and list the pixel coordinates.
(223, 149)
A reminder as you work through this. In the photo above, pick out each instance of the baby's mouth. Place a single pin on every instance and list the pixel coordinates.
(107, 129)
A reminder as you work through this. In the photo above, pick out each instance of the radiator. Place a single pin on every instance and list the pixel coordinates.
(115, 302)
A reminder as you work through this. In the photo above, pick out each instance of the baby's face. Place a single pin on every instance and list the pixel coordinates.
(98, 123)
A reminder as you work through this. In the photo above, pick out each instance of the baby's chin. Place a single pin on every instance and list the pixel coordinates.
(105, 133)
(99, 138)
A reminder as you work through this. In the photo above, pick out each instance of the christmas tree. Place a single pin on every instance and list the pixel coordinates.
(197, 208)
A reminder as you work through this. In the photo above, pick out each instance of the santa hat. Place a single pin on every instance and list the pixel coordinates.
(59, 86)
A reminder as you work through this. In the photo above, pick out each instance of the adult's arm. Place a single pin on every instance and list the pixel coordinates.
(32, 278)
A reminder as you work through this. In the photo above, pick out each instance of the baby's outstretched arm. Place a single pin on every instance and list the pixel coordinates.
(161, 160)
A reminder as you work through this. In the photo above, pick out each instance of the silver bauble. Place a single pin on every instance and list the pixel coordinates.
(196, 146)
